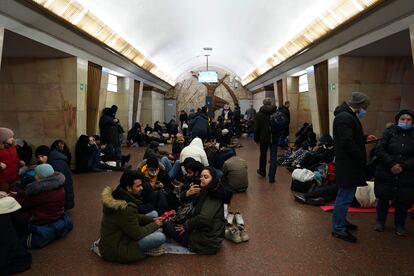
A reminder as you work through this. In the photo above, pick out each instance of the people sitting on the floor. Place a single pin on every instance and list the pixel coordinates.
(191, 181)
(195, 150)
(199, 126)
(135, 135)
(88, 156)
(235, 174)
(59, 163)
(218, 155)
(203, 232)
(224, 138)
(43, 203)
(305, 137)
(127, 235)
(108, 154)
(164, 157)
(9, 160)
(178, 145)
(160, 182)
(14, 258)
(172, 127)
(61, 147)
(24, 151)
(395, 172)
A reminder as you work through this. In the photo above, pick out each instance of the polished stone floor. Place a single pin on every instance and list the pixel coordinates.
(286, 238)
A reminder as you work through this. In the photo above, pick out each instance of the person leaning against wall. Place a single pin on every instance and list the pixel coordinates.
(394, 175)
(350, 160)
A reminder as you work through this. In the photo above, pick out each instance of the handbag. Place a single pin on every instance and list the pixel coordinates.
(184, 212)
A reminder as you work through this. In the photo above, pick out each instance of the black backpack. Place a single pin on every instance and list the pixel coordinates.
(278, 121)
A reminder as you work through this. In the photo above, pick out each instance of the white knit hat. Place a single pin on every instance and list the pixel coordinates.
(8, 205)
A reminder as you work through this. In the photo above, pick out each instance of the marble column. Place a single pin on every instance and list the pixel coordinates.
(321, 94)
(412, 41)
(139, 107)
(1, 43)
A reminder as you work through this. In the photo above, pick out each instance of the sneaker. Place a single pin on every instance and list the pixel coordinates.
(232, 234)
(400, 231)
(350, 226)
(155, 252)
(379, 227)
(244, 236)
(239, 220)
(262, 174)
(316, 201)
(345, 236)
(230, 218)
(299, 198)
(95, 248)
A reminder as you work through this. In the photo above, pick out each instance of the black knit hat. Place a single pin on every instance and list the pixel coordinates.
(404, 112)
(42, 150)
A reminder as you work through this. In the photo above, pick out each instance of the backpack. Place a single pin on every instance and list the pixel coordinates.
(278, 121)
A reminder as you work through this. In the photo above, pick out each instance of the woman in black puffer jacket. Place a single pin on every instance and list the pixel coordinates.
(395, 172)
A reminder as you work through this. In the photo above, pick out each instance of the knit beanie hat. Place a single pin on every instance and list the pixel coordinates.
(5, 134)
(8, 205)
(42, 150)
(44, 170)
(404, 112)
(359, 100)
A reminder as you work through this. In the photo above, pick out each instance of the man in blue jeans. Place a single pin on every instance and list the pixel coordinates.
(350, 160)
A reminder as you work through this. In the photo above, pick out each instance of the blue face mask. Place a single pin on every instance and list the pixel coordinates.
(405, 126)
(361, 114)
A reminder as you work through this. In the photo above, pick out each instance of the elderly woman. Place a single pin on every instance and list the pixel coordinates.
(203, 232)
(395, 172)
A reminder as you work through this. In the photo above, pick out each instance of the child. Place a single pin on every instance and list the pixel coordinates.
(9, 160)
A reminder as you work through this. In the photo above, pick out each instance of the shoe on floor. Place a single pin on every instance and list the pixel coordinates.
(300, 198)
(379, 227)
(346, 236)
(230, 218)
(155, 252)
(239, 220)
(232, 234)
(244, 236)
(262, 174)
(95, 248)
(400, 231)
(350, 226)
(316, 201)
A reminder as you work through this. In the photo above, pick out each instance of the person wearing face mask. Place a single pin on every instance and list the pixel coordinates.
(395, 172)
(350, 153)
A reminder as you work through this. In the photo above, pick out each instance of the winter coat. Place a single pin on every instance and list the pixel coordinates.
(199, 126)
(183, 117)
(109, 130)
(83, 153)
(195, 150)
(45, 199)
(395, 147)
(235, 174)
(59, 163)
(25, 153)
(349, 145)
(121, 229)
(207, 223)
(14, 258)
(262, 133)
(150, 152)
(250, 113)
(9, 157)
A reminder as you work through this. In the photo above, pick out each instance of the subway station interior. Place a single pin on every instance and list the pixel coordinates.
(64, 62)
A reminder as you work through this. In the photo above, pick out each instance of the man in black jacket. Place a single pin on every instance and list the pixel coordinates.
(349, 144)
(266, 139)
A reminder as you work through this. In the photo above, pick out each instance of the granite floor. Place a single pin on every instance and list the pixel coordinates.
(286, 238)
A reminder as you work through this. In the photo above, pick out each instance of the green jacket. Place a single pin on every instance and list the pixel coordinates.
(121, 228)
(206, 225)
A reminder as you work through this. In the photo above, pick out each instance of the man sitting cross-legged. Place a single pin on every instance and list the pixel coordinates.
(126, 235)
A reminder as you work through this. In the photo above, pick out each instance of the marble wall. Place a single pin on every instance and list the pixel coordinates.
(152, 108)
(39, 99)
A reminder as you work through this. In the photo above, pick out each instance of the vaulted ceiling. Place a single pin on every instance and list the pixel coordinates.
(245, 35)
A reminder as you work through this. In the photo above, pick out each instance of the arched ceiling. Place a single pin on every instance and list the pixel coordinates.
(172, 34)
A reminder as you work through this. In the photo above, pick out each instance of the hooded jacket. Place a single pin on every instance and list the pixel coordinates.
(45, 199)
(207, 223)
(199, 126)
(262, 133)
(349, 145)
(195, 150)
(109, 128)
(121, 228)
(59, 163)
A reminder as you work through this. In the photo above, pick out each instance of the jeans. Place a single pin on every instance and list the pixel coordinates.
(169, 230)
(167, 164)
(263, 159)
(343, 200)
(175, 170)
(151, 241)
(400, 214)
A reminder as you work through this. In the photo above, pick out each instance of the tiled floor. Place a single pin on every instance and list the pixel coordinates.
(285, 237)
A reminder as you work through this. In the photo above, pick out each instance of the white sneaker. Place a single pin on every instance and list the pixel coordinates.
(239, 220)
(230, 218)
(95, 248)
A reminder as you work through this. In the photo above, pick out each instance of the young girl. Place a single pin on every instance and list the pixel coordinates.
(9, 160)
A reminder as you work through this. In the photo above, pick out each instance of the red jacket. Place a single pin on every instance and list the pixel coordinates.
(45, 199)
(9, 157)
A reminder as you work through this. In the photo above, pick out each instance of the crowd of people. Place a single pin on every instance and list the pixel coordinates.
(182, 195)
